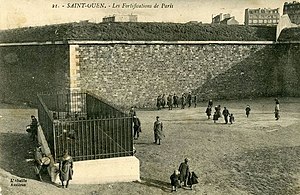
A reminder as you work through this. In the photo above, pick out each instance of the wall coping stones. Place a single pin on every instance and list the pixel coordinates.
(91, 42)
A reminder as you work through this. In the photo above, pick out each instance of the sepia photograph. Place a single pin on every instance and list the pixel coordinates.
(146, 97)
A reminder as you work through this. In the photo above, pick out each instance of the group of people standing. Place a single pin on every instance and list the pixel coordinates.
(217, 114)
(42, 161)
(173, 101)
(183, 177)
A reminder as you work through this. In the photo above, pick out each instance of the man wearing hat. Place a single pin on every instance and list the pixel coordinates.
(158, 127)
(184, 170)
(136, 127)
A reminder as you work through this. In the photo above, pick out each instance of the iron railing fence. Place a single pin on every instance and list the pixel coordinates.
(88, 127)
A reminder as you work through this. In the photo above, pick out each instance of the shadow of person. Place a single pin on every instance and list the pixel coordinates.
(165, 186)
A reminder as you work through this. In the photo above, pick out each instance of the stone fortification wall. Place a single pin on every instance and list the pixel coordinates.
(135, 74)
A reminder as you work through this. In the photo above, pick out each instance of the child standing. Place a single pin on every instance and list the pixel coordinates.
(215, 117)
(248, 109)
(175, 180)
(231, 118)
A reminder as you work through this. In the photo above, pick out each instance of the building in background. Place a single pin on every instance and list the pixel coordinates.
(262, 17)
(293, 11)
(218, 18)
(230, 21)
(120, 18)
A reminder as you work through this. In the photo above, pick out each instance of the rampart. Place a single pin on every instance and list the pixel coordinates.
(135, 73)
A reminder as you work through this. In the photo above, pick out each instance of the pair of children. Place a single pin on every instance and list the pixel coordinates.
(175, 182)
(231, 117)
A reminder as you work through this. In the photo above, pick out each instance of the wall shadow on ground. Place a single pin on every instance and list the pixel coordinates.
(15, 149)
(265, 171)
(255, 76)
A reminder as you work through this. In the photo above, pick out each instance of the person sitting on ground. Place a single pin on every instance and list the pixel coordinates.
(175, 180)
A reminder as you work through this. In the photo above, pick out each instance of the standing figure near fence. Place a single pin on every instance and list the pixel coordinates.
(170, 102)
(65, 169)
(136, 127)
(34, 128)
(184, 170)
(277, 116)
(132, 112)
(225, 114)
(248, 109)
(158, 131)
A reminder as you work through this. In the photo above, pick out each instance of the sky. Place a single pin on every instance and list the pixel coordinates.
(24, 13)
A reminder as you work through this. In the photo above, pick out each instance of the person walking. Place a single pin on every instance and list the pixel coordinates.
(136, 127)
(248, 109)
(158, 131)
(184, 170)
(225, 114)
(277, 116)
(65, 169)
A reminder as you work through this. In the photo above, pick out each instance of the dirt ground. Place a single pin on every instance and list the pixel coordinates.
(255, 155)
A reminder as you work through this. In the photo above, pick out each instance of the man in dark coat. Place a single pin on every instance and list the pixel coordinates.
(225, 114)
(170, 102)
(175, 100)
(248, 109)
(33, 128)
(65, 169)
(184, 171)
(158, 133)
(136, 127)
(189, 99)
(208, 112)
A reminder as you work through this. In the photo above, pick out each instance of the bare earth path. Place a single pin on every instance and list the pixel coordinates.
(255, 155)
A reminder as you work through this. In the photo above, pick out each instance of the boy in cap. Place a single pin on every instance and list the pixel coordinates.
(175, 180)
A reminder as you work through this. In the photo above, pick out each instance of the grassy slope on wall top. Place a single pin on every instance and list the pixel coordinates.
(290, 34)
(138, 32)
